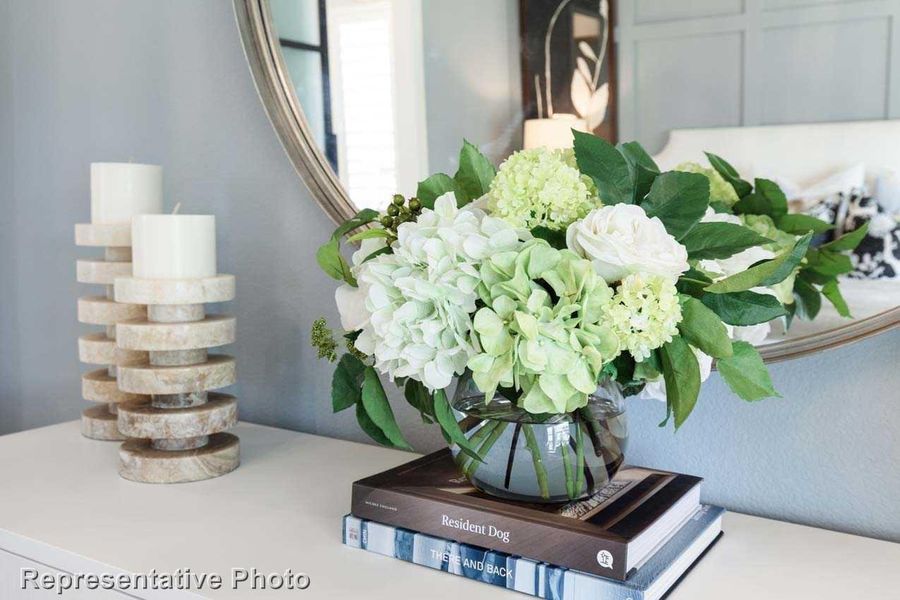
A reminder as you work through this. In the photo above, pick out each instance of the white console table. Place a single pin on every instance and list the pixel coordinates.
(64, 508)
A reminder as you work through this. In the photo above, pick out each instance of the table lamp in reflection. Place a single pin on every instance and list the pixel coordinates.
(554, 132)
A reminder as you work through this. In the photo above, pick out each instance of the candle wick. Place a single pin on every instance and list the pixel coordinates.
(176, 209)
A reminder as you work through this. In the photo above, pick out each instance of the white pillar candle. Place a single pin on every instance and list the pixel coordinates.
(173, 246)
(121, 190)
(554, 133)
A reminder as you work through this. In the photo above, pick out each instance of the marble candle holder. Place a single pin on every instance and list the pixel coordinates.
(99, 422)
(180, 435)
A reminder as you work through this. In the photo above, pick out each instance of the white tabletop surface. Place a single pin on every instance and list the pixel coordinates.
(62, 504)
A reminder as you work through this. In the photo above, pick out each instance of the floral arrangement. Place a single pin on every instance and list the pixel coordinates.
(565, 270)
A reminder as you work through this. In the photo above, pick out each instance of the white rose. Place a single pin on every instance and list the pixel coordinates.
(351, 304)
(621, 239)
(351, 301)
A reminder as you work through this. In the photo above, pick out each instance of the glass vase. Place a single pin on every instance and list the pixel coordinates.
(540, 458)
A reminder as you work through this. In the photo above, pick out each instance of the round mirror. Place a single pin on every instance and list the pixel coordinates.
(370, 97)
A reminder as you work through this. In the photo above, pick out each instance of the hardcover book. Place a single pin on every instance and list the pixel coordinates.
(652, 581)
(609, 534)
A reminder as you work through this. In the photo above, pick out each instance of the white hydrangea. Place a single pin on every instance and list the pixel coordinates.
(416, 314)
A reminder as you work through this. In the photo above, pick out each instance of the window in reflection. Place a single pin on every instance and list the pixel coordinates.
(376, 92)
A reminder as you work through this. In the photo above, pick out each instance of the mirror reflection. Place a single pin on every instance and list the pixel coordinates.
(800, 93)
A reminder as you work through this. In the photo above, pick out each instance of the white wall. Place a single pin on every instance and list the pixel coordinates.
(165, 81)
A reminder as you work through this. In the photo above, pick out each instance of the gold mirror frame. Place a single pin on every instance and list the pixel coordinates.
(277, 94)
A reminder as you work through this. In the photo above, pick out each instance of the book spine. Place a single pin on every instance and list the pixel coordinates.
(494, 531)
(487, 566)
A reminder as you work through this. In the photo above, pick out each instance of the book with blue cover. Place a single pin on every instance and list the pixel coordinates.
(651, 581)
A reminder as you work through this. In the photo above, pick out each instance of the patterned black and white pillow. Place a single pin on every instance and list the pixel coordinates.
(878, 254)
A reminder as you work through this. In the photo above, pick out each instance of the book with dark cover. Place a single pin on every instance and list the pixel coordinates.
(608, 534)
(652, 581)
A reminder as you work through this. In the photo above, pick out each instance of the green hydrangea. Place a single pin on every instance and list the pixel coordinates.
(550, 347)
(719, 189)
(541, 187)
(644, 313)
(782, 241)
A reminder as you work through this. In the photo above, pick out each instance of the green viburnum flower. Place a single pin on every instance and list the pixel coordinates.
(644, 313)
(764, 225)
(552, 348)
(541, 187)
(719, 189)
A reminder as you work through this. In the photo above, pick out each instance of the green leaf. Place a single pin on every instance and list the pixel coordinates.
(814, 277)
(643, 168)
(744, 308)
(363, 217)
(766, 273)
(475, 173)
(847, 241)
(419, 398)
(720, 240)
(807, 299)
(648, 369)
(368, 234)
(679, 199)
(556, 238)
(826, 262)
(346, 383)
(832, 291)
(379, 252)
(799, 224)
(379, 409)
(720, 207)
(791, 309)
(682, 376)
(703, 328)
(746, 374)
(771, 192)
(599, 160)
(434, 187)
(693, 282)
(729, 174)
(753, 204)
(332, 263)
(368, 426)
(444, 415)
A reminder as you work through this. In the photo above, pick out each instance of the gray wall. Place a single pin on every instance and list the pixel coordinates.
(711, 63)
(481, 102)
(166, 82)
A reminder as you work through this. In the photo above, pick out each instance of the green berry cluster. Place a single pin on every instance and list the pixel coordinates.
(400, 211)
(322, 340)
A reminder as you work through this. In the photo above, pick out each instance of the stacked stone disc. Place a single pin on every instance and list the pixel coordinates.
(181, 433)
(99, 422)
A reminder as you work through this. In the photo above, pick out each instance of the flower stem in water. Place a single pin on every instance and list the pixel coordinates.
(498, 428)
(570, 478)
(539, 470)
(474, 441)
(579, 457)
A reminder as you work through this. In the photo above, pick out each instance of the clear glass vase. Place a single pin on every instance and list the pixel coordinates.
(540, 458)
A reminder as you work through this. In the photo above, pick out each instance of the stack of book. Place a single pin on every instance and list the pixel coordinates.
(636, 538)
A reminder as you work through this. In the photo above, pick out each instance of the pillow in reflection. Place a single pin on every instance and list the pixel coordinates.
(827, 198)
(878, 254)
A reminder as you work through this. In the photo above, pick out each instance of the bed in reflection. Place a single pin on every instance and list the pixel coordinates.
(844, 173)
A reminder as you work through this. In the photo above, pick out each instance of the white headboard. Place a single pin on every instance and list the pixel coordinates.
(800, 153)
